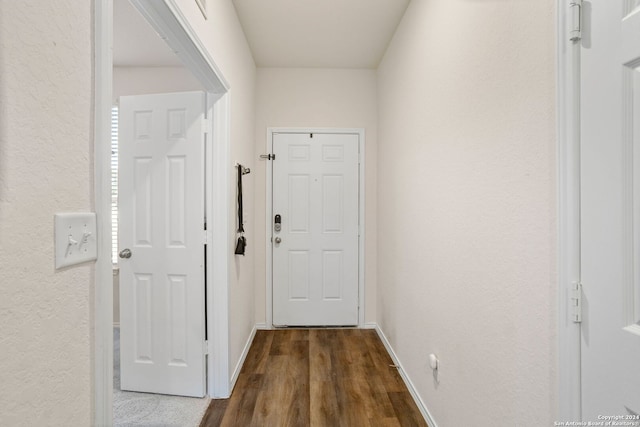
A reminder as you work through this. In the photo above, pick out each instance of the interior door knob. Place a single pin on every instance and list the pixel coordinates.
(125, 253)
(277, 240)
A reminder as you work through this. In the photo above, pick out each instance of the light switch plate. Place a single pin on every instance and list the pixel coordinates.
(75, 238)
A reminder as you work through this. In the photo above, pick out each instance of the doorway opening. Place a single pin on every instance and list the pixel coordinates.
(168, 22)
(598, 211)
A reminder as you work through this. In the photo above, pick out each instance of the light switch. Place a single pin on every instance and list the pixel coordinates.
(75, 238)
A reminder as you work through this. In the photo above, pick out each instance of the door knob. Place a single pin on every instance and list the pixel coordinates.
(277, 240)
(125, 253)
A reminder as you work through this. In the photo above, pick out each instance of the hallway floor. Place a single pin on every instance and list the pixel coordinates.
(317, 377)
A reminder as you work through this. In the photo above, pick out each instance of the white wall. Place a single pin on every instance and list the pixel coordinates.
(222, 35)
(45, 167)
(316, 98)
(148, 80)
(466, 208)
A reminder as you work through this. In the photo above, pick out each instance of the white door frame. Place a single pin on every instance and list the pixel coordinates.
(167, 19)
(361, 215)
(568, 199)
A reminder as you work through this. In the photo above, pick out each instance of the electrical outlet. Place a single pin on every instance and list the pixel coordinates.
(75, 238)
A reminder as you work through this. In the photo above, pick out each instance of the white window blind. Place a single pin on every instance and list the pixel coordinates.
(114, 184)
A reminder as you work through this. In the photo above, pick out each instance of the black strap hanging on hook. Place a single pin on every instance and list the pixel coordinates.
(242, 241)
(240, 225)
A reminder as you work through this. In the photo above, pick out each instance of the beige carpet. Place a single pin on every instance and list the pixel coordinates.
(151, 410)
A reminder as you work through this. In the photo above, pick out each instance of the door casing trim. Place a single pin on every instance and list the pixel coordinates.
(102, 362)
(568, 211)
(361, 214)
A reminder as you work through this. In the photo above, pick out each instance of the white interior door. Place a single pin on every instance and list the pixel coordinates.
(610, 211)
(315, 253)
(161, 217)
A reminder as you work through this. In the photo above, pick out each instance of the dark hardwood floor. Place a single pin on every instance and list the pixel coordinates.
(316, 377)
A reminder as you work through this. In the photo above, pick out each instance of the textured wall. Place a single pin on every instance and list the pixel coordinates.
(466, 207)
(222, 35)
(45, 159)
(307, 97)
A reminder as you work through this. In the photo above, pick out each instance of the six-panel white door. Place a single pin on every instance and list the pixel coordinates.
(315, 254)
(610, 211)
(161, 211)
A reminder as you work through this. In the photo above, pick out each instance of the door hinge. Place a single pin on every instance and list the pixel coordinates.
(206, 126)
(575, 16)
(205, 237)
(268, 156)
(576, 302)
(206, 347)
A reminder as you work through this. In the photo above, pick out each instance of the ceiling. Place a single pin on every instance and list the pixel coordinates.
(281, 33)
(319, 33)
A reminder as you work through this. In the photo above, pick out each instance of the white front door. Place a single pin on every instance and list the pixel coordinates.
(610, 210)
(161, 217)
(315, 253)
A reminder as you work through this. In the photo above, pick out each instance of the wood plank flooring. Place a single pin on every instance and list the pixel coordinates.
(316, 377)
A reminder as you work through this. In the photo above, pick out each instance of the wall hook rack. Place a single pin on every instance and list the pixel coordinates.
(244, 170)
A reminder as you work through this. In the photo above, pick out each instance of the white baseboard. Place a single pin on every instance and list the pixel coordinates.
(370, 325)
(243, 356)
(262, 327)
(414, 393)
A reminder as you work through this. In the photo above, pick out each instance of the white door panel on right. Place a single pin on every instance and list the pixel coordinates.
(315, 253)
(610, 211)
